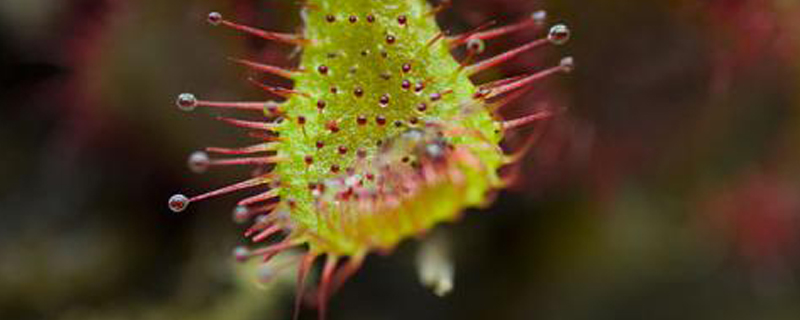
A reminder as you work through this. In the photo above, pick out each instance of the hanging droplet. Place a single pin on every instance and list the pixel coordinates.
(539, 17)
(240, 214)
(199, 162)
(476, 45)
(214, 18)
(435, 266)
(178, 203)
(241, 253)
(186, 102)
(567, 64)
(559, 34)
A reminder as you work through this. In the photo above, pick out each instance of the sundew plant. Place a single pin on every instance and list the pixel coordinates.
(382, 136)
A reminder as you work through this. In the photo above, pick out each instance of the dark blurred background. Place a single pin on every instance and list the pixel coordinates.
(668, 190)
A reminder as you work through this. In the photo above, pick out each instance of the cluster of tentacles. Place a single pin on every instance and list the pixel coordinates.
(382, 137)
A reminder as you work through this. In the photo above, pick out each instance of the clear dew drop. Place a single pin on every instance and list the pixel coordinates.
(199, 162)
(186, 102)
(567, 64)
(214, 18)
(241, 253)
(559, 34)
(539, 17)
(178, 203)
(476, 45)
(240, 214)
